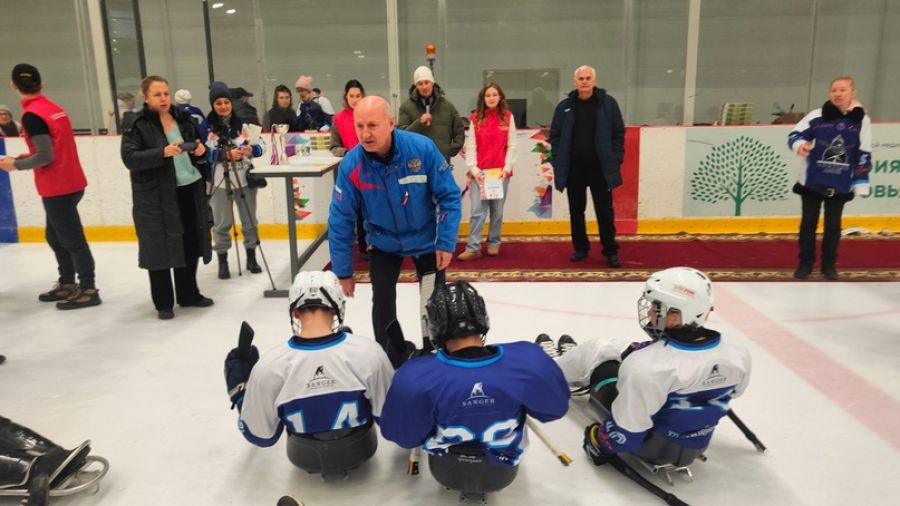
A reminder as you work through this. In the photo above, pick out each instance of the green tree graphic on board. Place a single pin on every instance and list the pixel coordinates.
(741, 169)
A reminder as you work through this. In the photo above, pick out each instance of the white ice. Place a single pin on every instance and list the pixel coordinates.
(150, 394)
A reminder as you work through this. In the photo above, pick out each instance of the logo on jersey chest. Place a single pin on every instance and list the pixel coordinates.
(320, 379)
(477, 397)
(414, 165)
(715, 377)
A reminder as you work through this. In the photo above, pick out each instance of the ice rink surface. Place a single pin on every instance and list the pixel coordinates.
(824, 395)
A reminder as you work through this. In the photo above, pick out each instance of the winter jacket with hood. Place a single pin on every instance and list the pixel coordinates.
(446, 129)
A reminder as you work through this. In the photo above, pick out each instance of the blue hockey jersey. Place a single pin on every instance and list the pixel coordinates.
(438, 401)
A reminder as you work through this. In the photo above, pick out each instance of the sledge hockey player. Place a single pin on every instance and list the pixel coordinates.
(664, 396)
(32, 465)
(325, 385)
(466, 404)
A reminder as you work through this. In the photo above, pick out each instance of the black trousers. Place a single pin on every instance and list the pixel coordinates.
(65, 235)
(581, 179)
(186, 291)
(834, 208)
(384, 270)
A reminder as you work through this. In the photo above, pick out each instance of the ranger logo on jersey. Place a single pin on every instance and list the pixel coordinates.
(320, 379)
(477, 397)
(715, 377)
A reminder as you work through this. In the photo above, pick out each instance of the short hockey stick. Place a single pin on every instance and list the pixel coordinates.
(747, 432)
(563, 458)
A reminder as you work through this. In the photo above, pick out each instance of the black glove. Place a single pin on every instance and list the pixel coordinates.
(596, 444)
(237, 372)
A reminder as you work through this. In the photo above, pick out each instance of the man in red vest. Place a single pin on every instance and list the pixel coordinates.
(60, 182)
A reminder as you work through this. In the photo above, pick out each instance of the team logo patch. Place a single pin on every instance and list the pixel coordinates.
(414, 165)
(477, 397)
(320, 379)
(715, 377)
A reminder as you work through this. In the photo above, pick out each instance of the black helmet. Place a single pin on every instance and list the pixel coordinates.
(455, 310)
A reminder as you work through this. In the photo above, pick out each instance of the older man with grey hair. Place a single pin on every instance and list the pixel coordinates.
(587, 136)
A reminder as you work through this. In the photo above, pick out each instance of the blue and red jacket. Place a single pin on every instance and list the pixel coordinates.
(411, 205)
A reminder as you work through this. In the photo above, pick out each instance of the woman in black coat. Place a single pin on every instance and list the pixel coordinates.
(169, 201)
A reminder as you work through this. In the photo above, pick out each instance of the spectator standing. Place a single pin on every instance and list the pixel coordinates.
(587, 136)
(282, 111)
(836, 144)
(170, 209)
(491, 144)
(429, 113)
(60, 181)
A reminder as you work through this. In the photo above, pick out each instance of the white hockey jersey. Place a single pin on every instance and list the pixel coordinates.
(312, 386)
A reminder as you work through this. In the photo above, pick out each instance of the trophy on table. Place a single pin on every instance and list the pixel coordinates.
(279, 152)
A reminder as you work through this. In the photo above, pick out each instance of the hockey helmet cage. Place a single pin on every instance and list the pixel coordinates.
(317, 289)
(681, 289)
(455, 310)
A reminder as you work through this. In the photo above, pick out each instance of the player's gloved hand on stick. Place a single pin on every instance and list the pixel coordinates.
(237, 372)
(596, 444)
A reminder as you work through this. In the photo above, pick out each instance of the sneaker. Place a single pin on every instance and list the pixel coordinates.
(81, 297)
(803, 271)
(565, 344)
(547, 344)
(288, 501)
(493, 251)
(468, 255)
(60, 291)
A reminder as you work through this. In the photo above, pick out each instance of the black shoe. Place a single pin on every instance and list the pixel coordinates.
(803, 271)
(165, 314)
(578, 256)
(81, 297)
(565, 344)
(288, 501)
(252, 266)
(546, 344)
(223, 266)
(830, 273)
(201, 302)
(613, 261)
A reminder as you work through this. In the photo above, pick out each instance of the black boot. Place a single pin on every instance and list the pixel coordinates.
(252, 266)
(223, 266)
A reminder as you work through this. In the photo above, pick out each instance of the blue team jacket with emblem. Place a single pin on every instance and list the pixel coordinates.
(411, 205)
(842, 154)
(437, 401)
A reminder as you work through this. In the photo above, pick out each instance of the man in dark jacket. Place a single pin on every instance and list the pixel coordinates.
(242, 107)
(429, 113)
(587, 136)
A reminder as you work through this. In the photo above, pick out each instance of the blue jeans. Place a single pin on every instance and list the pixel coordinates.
(479, 214)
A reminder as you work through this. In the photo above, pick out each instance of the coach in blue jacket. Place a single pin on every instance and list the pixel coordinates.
(587, 136)
(411, 206)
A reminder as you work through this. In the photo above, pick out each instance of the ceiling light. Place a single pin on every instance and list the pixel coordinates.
(217, 5)
(230, 11)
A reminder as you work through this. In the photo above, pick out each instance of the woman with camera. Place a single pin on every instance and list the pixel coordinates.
(165, 157)
(230, 158)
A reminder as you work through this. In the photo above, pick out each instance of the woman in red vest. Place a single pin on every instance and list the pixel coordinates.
(490, 146)
(343, 139)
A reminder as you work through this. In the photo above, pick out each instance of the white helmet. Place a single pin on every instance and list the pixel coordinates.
(317, 289)
(681, 289)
